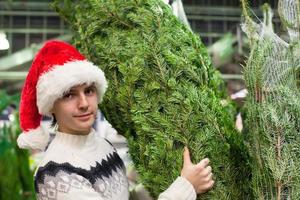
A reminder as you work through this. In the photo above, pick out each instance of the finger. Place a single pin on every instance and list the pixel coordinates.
(206, 187)
(210, 184)
(206, 179)
(203, 163)
(209, 177)
(207, 171)
(186, 157)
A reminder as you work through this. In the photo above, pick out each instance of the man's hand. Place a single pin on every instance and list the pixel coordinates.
(199, 175)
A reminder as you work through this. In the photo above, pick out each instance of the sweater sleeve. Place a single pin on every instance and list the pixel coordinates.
(180, 189)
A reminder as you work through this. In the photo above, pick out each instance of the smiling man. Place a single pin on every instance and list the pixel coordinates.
(76, 111)
(78, 164)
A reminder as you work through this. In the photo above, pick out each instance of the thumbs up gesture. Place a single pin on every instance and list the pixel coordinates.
(199, 175)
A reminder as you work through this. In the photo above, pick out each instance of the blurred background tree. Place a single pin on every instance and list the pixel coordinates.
(16, 178)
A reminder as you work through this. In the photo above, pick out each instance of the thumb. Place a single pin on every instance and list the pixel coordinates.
(186, 157)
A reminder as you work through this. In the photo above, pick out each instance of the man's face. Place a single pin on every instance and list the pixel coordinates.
(76, 111)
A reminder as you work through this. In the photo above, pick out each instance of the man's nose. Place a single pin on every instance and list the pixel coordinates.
(83, 103)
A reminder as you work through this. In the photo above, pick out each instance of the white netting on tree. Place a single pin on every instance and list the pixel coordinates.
(273, 103)
(289, 13)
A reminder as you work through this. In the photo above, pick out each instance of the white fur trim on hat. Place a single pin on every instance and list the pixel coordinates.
(34, 139)
(60, 79)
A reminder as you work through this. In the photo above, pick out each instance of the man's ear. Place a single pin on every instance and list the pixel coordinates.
(52, 111)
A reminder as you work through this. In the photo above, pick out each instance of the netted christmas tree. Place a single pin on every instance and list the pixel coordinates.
(163, 91)
(273, 103)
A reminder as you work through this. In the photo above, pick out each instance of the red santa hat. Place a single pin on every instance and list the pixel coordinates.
(56, 68)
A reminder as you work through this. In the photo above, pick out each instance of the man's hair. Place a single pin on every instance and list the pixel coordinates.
(53, 122)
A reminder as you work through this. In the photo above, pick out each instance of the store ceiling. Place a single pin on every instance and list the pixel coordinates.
(28, 23)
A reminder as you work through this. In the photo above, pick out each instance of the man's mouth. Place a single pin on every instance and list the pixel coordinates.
(83, 115)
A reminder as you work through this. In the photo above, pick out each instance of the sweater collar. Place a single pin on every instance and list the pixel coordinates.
(75, 140)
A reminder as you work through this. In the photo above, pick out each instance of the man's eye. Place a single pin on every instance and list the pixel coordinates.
(68, 96)
(90, 91)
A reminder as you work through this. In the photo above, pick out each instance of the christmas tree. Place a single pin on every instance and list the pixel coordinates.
(163, 92)
(16, 177)
(272, 108)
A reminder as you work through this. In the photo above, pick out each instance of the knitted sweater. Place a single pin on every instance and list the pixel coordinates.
(88, 167)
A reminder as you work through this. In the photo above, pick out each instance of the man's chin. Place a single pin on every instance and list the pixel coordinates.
(83, 131)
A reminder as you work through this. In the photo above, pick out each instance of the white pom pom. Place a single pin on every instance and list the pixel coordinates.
(34, 139)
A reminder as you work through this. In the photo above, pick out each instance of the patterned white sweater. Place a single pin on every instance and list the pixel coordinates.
(88, 168)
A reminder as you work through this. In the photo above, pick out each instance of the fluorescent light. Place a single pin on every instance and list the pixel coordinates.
(3, 41)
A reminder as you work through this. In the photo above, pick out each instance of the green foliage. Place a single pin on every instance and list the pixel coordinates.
(163, 91)
(10, 185)
(272, 113)
(16, 178)
(7, 100)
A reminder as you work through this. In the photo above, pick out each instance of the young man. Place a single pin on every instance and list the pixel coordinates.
(78, 164)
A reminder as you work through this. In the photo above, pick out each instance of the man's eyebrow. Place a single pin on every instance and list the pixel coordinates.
(71, 90)
(91, 86)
